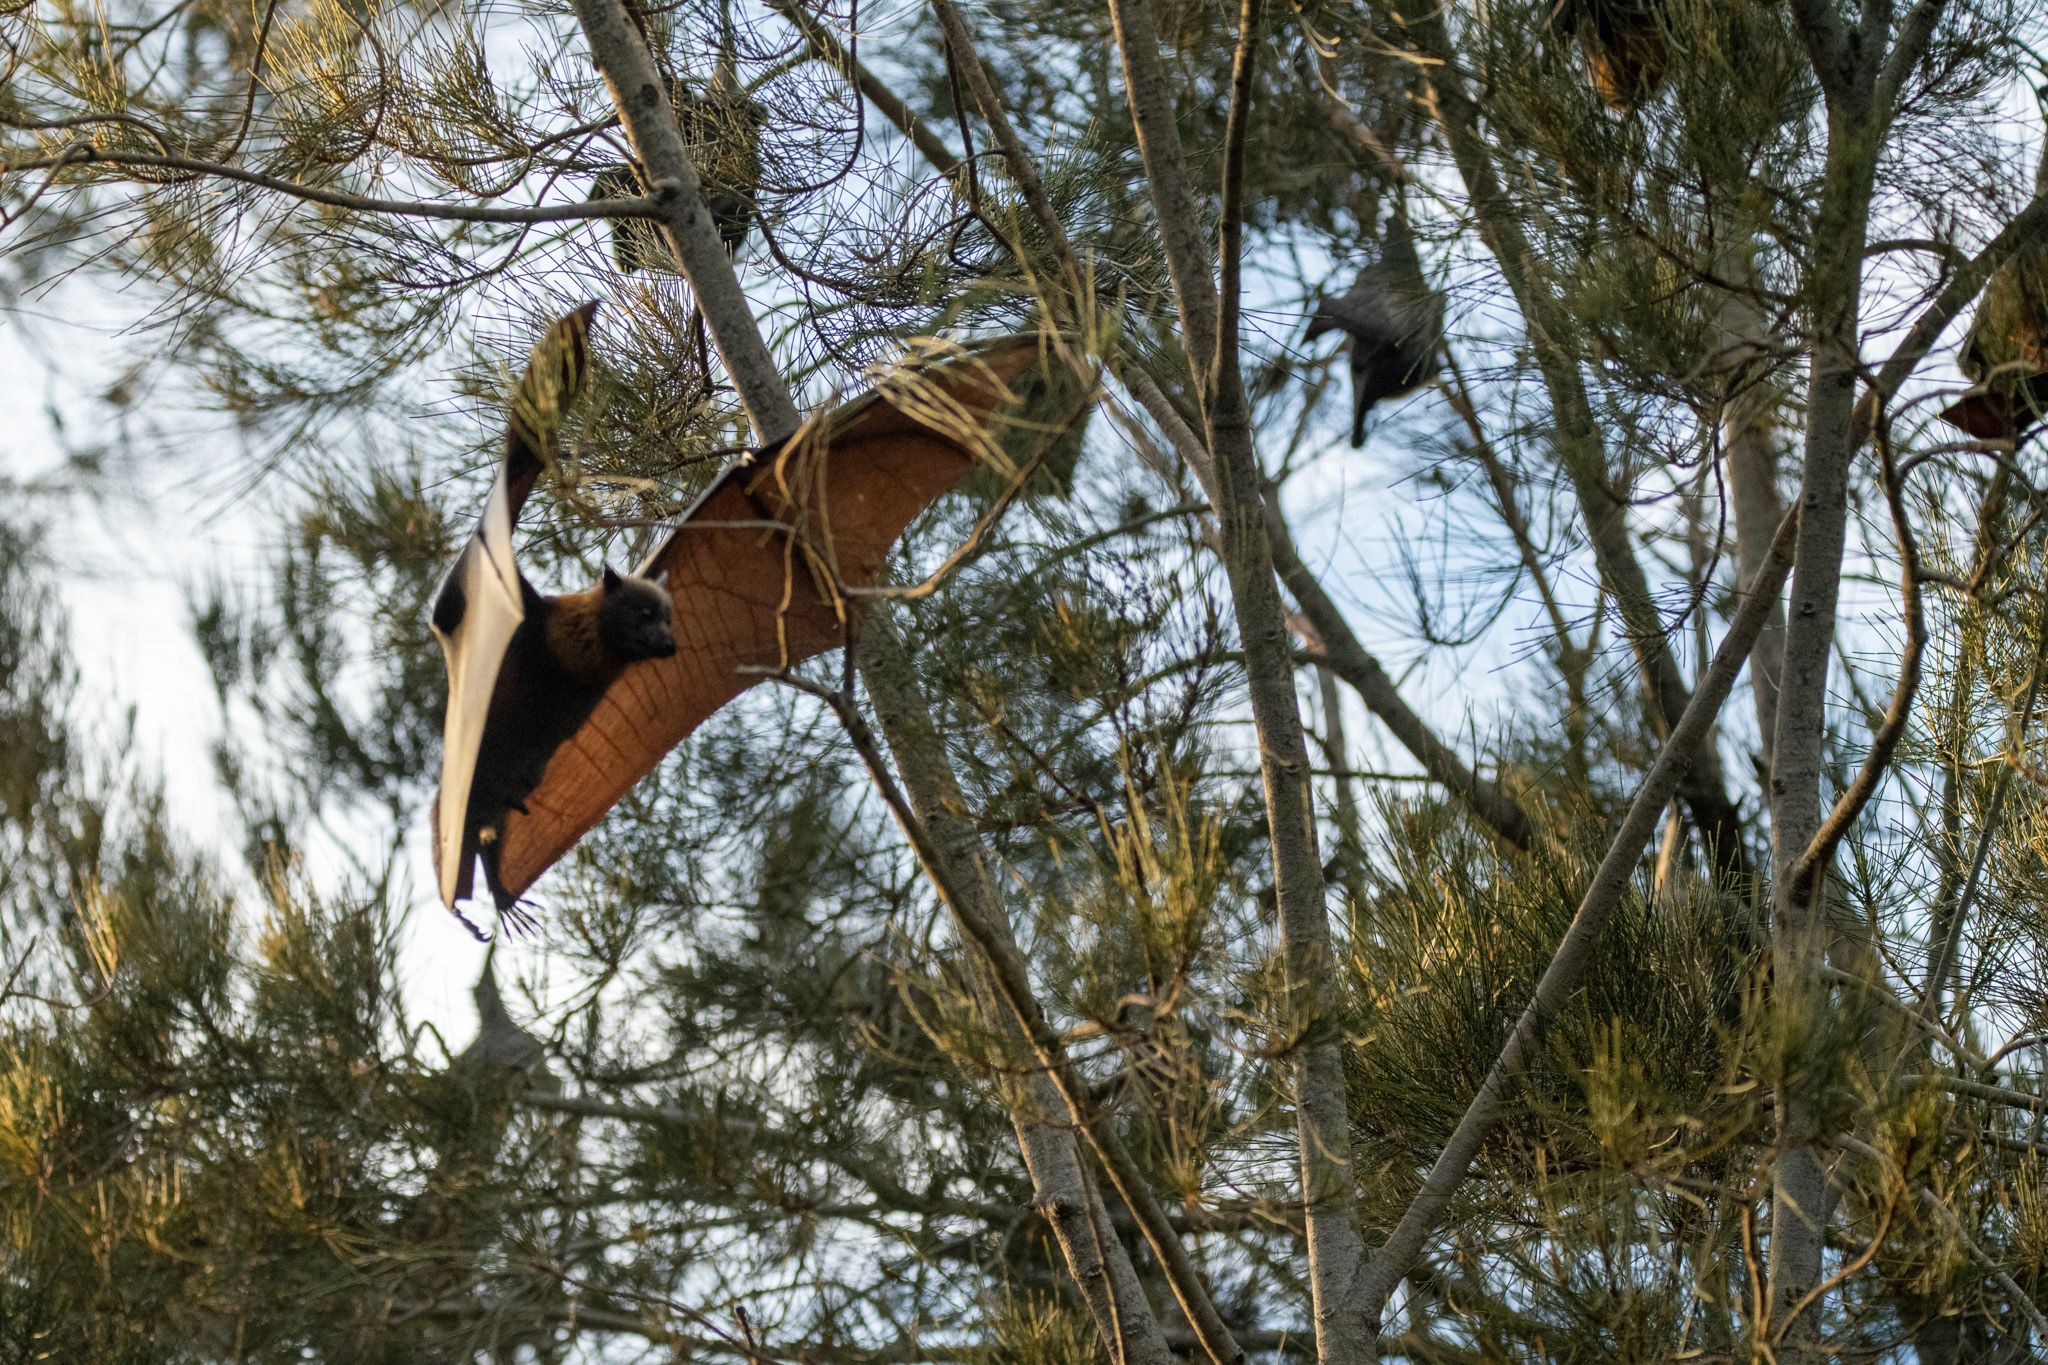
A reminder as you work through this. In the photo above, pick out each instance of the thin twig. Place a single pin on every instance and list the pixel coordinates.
(86, 154)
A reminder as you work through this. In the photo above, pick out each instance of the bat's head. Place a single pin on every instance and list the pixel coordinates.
(633, 617)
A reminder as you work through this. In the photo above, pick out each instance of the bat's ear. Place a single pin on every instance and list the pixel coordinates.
(611, 580)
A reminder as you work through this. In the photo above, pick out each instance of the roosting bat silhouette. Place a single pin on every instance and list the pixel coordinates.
(1394, 322)
(1627, 54)
(2006, 351)
(557, 706)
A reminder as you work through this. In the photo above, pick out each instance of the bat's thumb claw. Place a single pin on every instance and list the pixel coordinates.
(479, 935)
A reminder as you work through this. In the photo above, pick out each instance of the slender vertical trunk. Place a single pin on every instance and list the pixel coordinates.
(1749, 443)
(1336, 1247)
(1800, 924)
(1062, 1190)
(1751, 447)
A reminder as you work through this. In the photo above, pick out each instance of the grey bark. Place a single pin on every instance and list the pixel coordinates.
(1181, 230)
(1335, 1244)
(1800, 925)
(1749, 444)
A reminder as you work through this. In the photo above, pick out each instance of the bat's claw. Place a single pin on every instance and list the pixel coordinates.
(479, 935)
(515, 919)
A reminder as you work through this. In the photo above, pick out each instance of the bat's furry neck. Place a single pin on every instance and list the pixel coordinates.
(588, 634)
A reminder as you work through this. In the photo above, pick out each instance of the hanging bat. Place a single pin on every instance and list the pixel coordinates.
(1625, 48)
(1394, 321)
(752, 575)
(721, 128)
(2006, 351)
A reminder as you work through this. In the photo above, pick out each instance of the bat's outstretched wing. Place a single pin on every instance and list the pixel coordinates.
(2006, 413)
(479, 606)
(1982, 415)
(751, 569)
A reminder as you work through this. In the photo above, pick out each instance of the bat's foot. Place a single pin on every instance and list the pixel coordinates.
(479, 935)
(514, 918)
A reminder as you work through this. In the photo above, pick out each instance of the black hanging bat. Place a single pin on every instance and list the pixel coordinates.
(549, 724)
(1395, 323)
(1627, 53)
(721, 128)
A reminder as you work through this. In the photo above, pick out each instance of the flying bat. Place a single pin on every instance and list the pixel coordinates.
(525, 670)
(754, 576)
(1394, 321)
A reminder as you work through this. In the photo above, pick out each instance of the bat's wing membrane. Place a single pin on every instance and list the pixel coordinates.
(479, 606)
(751, 570)
(1981, 415)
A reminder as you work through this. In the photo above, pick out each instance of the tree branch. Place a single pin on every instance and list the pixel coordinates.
(1575, 951)
(1801, 928)
(1150, 95)
(677, 201)
(1916, 31)
(1948, 936)
(1351, 661)
(960, 44)
(950, 853)
(828, 49)
(1308, 964)
(86, 154)
(2027, 226)
(1345, 654)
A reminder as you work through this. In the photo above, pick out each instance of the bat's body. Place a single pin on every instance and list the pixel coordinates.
(561, 661)
(2006, 351)
(1395, 323)
(557, 706)
(1627, 54)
